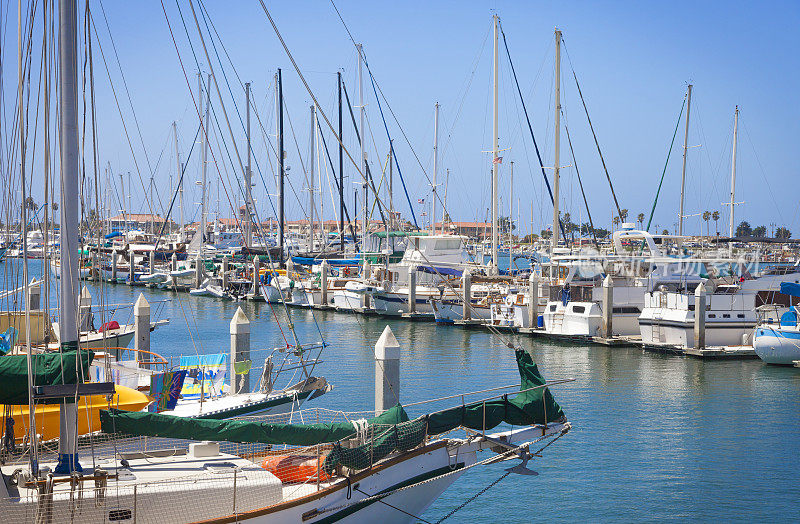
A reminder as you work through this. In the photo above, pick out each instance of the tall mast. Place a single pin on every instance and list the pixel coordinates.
(495, 152)
(557, 154)
(180, 178)
(68, 125)
(510, 214)
(685, 150)
(34, 458)
(733, 172)
(311, 187)
(341, 164)
(364, 225)
(279, 103)
(435, 160)
(124, 212)
(391, 187)
(248, 182)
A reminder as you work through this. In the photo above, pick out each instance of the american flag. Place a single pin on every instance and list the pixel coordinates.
(498, 160)
(420, 201)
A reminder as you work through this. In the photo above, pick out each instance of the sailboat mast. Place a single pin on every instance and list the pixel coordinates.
(510, 214)
(435, 161)
(180, 178)
(364, 225)
(733, 171)
(34, 459)
(203, 204)
(341, 165)
(279, 104)
(391, 186)
(311, 187)
(68, 125)
(248, 178)
(495, 151)
(557, 153)
(685, 150)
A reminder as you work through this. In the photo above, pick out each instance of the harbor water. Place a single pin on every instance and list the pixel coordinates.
(655, 437)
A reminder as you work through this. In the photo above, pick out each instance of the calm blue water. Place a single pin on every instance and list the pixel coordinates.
(655, 438)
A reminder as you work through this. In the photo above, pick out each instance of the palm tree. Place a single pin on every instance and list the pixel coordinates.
(615, 221)
(640, 218)
(707, 217)
(623, 215)
(715, 218)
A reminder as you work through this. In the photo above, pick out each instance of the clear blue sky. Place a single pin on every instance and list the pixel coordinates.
(633, 59)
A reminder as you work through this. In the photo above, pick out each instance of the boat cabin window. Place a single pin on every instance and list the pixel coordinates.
(447, 244)
(578, 309)
(553, 307)
(712, 315)
(726, 315)
(740, 315)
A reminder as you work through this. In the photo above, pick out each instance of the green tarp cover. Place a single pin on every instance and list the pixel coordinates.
(49, 369)
(536, 406)
(157, 425)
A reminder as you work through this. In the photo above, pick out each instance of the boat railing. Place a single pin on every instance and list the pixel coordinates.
(152, 359)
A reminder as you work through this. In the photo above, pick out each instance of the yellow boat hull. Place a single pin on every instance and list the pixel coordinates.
(47, 415)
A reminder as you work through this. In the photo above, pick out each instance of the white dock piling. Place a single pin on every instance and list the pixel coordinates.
(323, 282)
(366, 276)
(387, 371)
(34, 295)
(114, 257)
(173, 262)
(466, 285)
(240, 352)
(225, 276)
(700, 316)
(533, 300)
(141, 320)
(608, 307)
(151, 261)
(198, 272)
(131, 272)
(412, 289)
(256, 277)
(85, 310)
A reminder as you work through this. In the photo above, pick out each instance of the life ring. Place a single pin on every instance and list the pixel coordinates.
(294, 469)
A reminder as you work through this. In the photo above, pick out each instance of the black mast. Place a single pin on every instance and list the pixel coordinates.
(281, 218)
(341, 166)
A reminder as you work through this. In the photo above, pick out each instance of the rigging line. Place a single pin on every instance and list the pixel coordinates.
(588, 118)
(666, 163)
(308, 88)
(530, 127)
(336, 179)
(197, 63)
(391, 146)
(124, 81)
(580, 183)
(225, 114)
(207, 20)
(763, 173)
(369, 178)
(177, 190)
(121, 115)
(377, 89)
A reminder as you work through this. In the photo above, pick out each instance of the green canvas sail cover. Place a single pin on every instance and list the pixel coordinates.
(49, 369)
(391, 431)
(157, 425)
(536, 406)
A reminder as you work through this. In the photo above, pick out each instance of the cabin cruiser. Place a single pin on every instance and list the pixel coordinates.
(638, 265)
(732, 311)
(436, 262)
